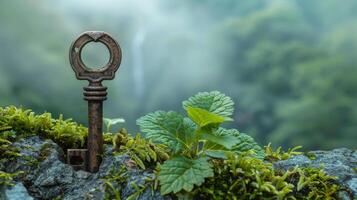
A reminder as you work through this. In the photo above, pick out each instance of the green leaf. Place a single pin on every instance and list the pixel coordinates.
(222, 154)
(227, 141)
(214, 102)
(169, 128)
(181, 173)
(219, 145)
(203, 117)
(245, 142)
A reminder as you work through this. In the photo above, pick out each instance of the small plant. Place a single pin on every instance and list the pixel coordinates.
(279, 154)
(142, 151)
(195, 140)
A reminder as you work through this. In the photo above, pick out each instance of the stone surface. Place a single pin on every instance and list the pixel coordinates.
(16, 192)
(52, 178)
(341, 163)
(48, 177)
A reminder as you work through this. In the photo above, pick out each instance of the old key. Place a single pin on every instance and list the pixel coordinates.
(95, 93)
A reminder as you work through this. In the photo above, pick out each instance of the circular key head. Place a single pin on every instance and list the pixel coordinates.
(106, 72)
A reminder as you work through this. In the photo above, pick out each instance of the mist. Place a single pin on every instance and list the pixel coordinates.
(271, 57)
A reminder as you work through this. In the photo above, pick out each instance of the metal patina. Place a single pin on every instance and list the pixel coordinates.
(95, 93)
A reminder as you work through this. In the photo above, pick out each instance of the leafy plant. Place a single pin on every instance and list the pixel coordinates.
(195, 140)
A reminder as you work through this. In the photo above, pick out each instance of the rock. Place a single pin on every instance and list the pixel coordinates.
(16, 192)
(48, 177)
(338, 162)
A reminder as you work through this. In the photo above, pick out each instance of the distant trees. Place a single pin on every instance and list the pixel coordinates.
(291, 90)
(289, 65)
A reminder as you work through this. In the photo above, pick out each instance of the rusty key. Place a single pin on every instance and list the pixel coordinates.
(95, 93)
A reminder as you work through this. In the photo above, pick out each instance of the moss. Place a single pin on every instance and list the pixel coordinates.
(7, 179)
(113, 182)
(245, 177)
(310, 155)
(24, 123)
(142, 151)
(30, 161)
(238, 177)
(45, 151)
(279, 154)
(118, 178)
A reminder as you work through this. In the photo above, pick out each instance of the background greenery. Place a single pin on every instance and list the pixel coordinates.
(289, 65)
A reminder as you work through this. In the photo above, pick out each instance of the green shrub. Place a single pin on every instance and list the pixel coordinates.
(195, 140)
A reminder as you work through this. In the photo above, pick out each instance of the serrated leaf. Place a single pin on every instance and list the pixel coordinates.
(203, 117)
(181, 173)
(245, 142)
(214, 102)
(169, 128)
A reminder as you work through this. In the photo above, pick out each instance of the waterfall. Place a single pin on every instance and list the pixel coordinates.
(138, 68)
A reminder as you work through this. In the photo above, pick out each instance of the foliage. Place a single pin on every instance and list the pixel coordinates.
(66, 133)
(183, 173)
(8, 178)
(289, 78)
(278, 154)
(7, 151)
(117, 178)
(142, 151)
(194, 140)
(212, 167)
(246, 177)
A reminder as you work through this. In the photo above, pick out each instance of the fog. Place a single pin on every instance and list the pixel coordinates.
(271, 57)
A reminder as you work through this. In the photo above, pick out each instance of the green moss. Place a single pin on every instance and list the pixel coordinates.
(237, 177)
(118, 178)
(279, 154)
(245, 177)
(44, 151)
(142, 151)
(310, 155)
(7, 179)
(24, 123)
(113, 183)
(30, 161)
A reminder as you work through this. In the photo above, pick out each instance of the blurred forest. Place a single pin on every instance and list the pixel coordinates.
(291, 66)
